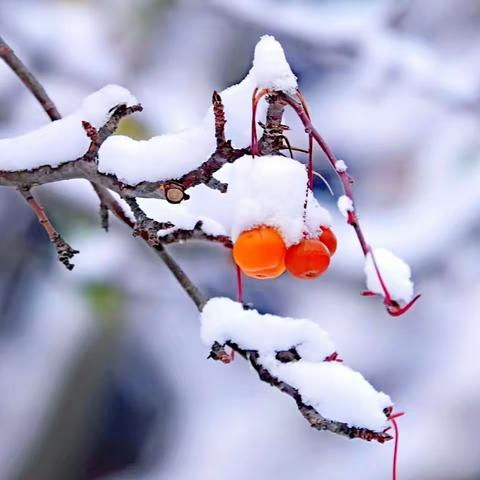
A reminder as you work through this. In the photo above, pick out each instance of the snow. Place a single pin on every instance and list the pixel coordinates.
(223, 319)
(395, 273)
(171, 155)
(335, 391)
(345, 205)
(268, 190)
(340, 166)
(179, 215)
(270, 67)
(63, 140)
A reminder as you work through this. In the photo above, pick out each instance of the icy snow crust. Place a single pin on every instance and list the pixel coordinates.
(65, 139)
(334, 390)
(395, 273)
(170, 156)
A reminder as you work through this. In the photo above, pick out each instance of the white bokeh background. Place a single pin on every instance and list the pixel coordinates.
(395, 89)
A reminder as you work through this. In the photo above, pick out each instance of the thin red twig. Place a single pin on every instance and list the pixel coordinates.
(347, 183)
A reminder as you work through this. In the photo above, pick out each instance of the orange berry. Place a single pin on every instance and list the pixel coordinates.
(260, 253)
(307, 259)
(329, 239)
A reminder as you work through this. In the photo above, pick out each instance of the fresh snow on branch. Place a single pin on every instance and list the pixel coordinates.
(65, 139)
(170, 156)
(395, 274)
(345, 205)
(267, 190)
(223, 319)
(334, 390)
(340, 166)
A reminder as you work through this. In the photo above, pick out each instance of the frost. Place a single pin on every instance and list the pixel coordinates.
(395, 274)
(334, 390)
(223, 319)
(340, 166)
(63, 140)
(345, 205)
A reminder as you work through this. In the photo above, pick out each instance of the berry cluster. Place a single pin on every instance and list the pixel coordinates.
(261, 253)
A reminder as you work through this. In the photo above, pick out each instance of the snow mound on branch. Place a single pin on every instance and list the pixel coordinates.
(62, 140)
(395, 273)
(172, 155)
(270, 67)
(179, 215)
(268, 190)
(334, 390)
(223, 320)
(345, 205)
(271, 190)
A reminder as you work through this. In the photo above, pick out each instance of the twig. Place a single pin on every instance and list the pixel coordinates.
(29, 80)
(347, 183)
(145, 226)
(219, 118)
(197, 233)
(314, 418)
(64, 251)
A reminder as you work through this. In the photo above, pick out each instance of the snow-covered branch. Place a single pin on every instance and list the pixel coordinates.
(235, 183)
(298, 358)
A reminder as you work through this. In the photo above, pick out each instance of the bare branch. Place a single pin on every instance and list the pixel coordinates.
(219, 117)
(273, 138)
(145, 226)
(29, 80)
(64, 251)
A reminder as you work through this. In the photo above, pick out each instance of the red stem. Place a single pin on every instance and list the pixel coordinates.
(347, 184)
(256, 97)
(239, 285)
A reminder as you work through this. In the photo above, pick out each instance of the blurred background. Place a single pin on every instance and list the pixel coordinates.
(102, 372)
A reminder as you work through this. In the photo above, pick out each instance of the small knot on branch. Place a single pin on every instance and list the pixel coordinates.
(175, 192)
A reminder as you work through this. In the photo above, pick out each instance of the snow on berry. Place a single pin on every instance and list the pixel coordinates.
(345, 205)
(271, 190)
(223, 319)
(268, 190)
(63, 140)
(335, 391)
(396, 275)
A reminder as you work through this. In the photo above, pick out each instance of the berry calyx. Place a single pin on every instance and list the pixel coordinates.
(307, 259)
(260, 253)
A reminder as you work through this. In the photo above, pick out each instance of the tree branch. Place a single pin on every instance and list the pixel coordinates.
(314, 418)
(64, 251)
(29, 80)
